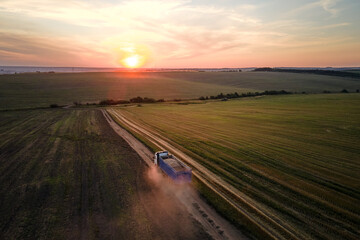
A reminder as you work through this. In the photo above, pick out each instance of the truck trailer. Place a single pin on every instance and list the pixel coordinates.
(173, 167)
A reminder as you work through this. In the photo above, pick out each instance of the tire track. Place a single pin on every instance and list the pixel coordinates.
(214, 224)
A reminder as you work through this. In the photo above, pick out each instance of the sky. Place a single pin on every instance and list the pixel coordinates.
(180, 33)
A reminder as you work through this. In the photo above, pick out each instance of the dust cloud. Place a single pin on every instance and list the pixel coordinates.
(163, 202)
(166, 185)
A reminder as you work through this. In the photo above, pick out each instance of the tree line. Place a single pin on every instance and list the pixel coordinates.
(132, 100)
(312, 71)
(221, 96)
(249, 94)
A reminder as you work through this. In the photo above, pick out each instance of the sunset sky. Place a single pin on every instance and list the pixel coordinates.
(180, 33)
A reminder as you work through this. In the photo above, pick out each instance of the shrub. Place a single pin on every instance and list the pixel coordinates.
(263, 69)
(149, 100)
(136, 100)
(113, 102)
(54, 105)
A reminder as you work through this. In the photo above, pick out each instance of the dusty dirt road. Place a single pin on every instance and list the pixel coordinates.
(212, 222)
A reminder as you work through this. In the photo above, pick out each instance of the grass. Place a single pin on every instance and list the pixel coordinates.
(65, 174)
(34, 90)
(296, 156)
(40, 90)
(262, 81)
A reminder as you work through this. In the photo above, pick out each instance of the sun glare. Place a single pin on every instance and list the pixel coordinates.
(132, 61)
(131, 55)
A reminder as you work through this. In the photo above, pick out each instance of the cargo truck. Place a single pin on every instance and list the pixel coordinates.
(173, 167)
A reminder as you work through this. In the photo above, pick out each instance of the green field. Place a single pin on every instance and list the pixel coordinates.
(65, 174)
(296, 156)
(42, 89)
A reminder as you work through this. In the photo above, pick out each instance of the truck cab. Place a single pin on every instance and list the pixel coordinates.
(160, 154)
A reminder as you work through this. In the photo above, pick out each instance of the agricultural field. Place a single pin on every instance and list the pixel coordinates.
(31, 90)
(65, 174)
(296, 156)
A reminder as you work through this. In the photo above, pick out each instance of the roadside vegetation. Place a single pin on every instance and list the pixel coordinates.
(249, 94)
(295, 156)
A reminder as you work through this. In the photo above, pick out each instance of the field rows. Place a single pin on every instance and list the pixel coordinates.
(297, 157)
(65, 174)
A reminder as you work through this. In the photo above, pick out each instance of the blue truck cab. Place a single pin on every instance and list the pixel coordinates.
(173, 167)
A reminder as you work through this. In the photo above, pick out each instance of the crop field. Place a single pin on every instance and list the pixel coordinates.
(65, 174)
(262, 81)
(34, 90)
(297, 156)
(42, 89)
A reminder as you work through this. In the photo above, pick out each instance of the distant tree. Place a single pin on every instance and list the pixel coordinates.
(136, 100)
(357, 90)
(112, 102)
(263, 69)
(326, 91)
(221, 95)
(54, 105)
(202, 98)
(344, 91)
(149, 100)
(122, 102)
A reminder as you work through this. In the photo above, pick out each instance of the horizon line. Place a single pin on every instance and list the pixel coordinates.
(125, 68)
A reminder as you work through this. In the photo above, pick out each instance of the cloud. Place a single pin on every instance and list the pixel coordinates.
(328, 6)
(174, 29)
(44, 51)
(336, 25)
(96, 32)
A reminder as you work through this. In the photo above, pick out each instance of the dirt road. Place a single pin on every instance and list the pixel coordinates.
(213, 223)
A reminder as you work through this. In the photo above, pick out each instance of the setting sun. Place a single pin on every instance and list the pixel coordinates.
(130, 55)
(132, 62)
